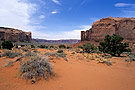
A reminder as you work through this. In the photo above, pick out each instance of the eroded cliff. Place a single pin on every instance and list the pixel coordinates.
(125, 27)
(14, 35)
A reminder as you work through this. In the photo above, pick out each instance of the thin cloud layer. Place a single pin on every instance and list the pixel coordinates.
(16, 14)
(124, 5)
(56, 2)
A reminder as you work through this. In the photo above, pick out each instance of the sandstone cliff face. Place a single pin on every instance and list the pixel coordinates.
(125, 27)
(14, 35)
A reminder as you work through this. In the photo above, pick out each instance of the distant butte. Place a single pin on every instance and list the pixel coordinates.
(14, 35)
(125, 27)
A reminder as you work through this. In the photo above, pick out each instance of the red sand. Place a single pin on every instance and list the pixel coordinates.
(74, 75)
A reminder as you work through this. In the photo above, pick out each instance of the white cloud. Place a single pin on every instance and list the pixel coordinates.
(56, 2)
(54, 12)
(129, 11)
(41, 16)
(73, 34)
(124, 5)
(17, 14)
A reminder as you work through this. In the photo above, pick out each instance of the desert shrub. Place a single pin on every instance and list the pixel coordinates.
(32, 46)
(69, 47)
(16, 46)
(131, 57)
(35, 51)
(62, 46)
(11, 54)
(88, 48)
(57, 55)
(73, 53)
(60, 51)
(51, 46)
(30, 54)
(22, 45)
(77, 50)
(113, 45)
(80, 47)
(107, 62)
(7, 45)
(43, 46)
(24, 49)
(35, 68)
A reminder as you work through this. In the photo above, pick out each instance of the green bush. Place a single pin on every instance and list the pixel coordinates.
(7, 45)
(43, 46)
(88, 48)
(51, 46)
(22, 45)
(113, 45)
(80, 47)
(60, 51)
(69, 47)
(62, 46)
(32, 46)
(16, 46)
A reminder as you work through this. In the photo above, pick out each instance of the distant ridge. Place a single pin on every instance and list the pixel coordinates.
(68, 41)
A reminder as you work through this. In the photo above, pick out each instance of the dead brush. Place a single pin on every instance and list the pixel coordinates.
(35, 68)
(57, 55)
(11, 54)
(107, 62)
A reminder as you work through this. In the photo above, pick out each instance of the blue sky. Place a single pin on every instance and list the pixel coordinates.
(60, 19)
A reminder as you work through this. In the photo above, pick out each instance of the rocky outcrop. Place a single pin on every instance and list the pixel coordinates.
(125, 27)
(14, 35)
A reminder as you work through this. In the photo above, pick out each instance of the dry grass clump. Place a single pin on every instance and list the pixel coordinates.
(35, 68)
(11, 54)
(131, 57)
(107, 62)
(57, 55)
(28, 53)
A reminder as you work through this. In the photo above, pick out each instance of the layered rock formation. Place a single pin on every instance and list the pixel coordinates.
(14, 35)
(125, 27)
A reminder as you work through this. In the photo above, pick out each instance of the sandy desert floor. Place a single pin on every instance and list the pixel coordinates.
(78, 73)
